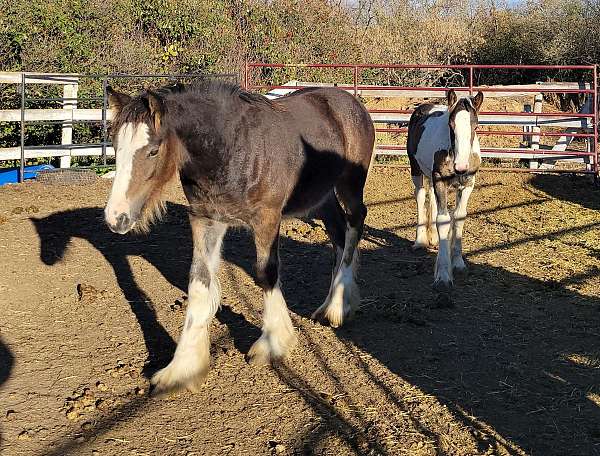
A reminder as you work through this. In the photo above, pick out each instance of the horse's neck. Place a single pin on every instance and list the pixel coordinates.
(436, 135)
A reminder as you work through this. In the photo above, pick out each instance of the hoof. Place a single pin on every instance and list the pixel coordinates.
(420, 246)
(173, 379)
(460, 272)
(339, 306)
(270, 348)
(259, 354)
(443, 287)
(459, 267)
(333, 315)
(444, 301)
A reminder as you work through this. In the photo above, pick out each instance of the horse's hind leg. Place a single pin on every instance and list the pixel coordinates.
(191, 361)
(431, 218)
(335, 224)
(344, 297)
(278, 334)
(420, 183)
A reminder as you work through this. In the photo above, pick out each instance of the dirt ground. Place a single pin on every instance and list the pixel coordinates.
(512, 368)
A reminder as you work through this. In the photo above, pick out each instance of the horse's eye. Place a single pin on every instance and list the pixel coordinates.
(153, 152)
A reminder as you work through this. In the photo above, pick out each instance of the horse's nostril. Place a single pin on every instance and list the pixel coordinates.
(122, 222)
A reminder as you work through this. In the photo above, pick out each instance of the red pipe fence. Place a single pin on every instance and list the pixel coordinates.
(589, 89)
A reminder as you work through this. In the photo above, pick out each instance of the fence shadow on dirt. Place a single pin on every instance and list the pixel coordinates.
(576, 189)
(515, 354)
(513, 360)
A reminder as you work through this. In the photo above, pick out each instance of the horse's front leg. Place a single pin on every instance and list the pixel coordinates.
(278, 334)
(431, 218)
(443, 267)
(421, 241)
(191, 361)
(460, 215)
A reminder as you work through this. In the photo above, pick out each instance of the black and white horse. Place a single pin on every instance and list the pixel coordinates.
(443, 150)
(243, 161)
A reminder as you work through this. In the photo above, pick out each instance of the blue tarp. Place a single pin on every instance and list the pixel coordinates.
(8, 176)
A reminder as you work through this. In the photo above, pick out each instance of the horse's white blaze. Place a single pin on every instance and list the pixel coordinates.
(475, 149)
(462, 135)
(436, 136)
(130, 138)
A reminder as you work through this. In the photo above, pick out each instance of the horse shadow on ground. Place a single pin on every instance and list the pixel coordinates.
(7, 361)
(515, 360)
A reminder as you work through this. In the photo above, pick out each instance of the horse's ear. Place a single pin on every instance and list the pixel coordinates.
(116, 100)
(478, 101)
(157, 108)
(451, 97)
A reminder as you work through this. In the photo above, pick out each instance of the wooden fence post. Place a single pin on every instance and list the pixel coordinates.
(69, 102)
(527, 128)
(535, 139)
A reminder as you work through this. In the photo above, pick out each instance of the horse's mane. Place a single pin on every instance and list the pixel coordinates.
(222, 88)
(213, 89)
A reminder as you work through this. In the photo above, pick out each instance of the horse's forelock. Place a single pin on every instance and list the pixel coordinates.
(132, 113)
(463, 104)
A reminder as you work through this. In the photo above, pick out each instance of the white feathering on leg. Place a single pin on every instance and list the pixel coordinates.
(344, 296)
(191, 361)
(278, 334)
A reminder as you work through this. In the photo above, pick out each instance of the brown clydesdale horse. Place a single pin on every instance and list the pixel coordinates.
(243, 160)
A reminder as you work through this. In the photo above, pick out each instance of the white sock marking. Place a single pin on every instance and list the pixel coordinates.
(443, 271)
(420, 196)
(343, 297)
(277, 324)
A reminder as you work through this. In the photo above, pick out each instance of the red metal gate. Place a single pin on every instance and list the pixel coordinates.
(589, 120)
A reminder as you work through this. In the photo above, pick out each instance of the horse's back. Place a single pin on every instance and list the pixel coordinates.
(343, 115)
(291, 151)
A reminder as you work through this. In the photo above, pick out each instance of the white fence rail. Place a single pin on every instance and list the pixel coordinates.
(65, 115)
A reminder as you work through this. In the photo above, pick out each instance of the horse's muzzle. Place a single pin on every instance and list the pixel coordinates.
(122, 225)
